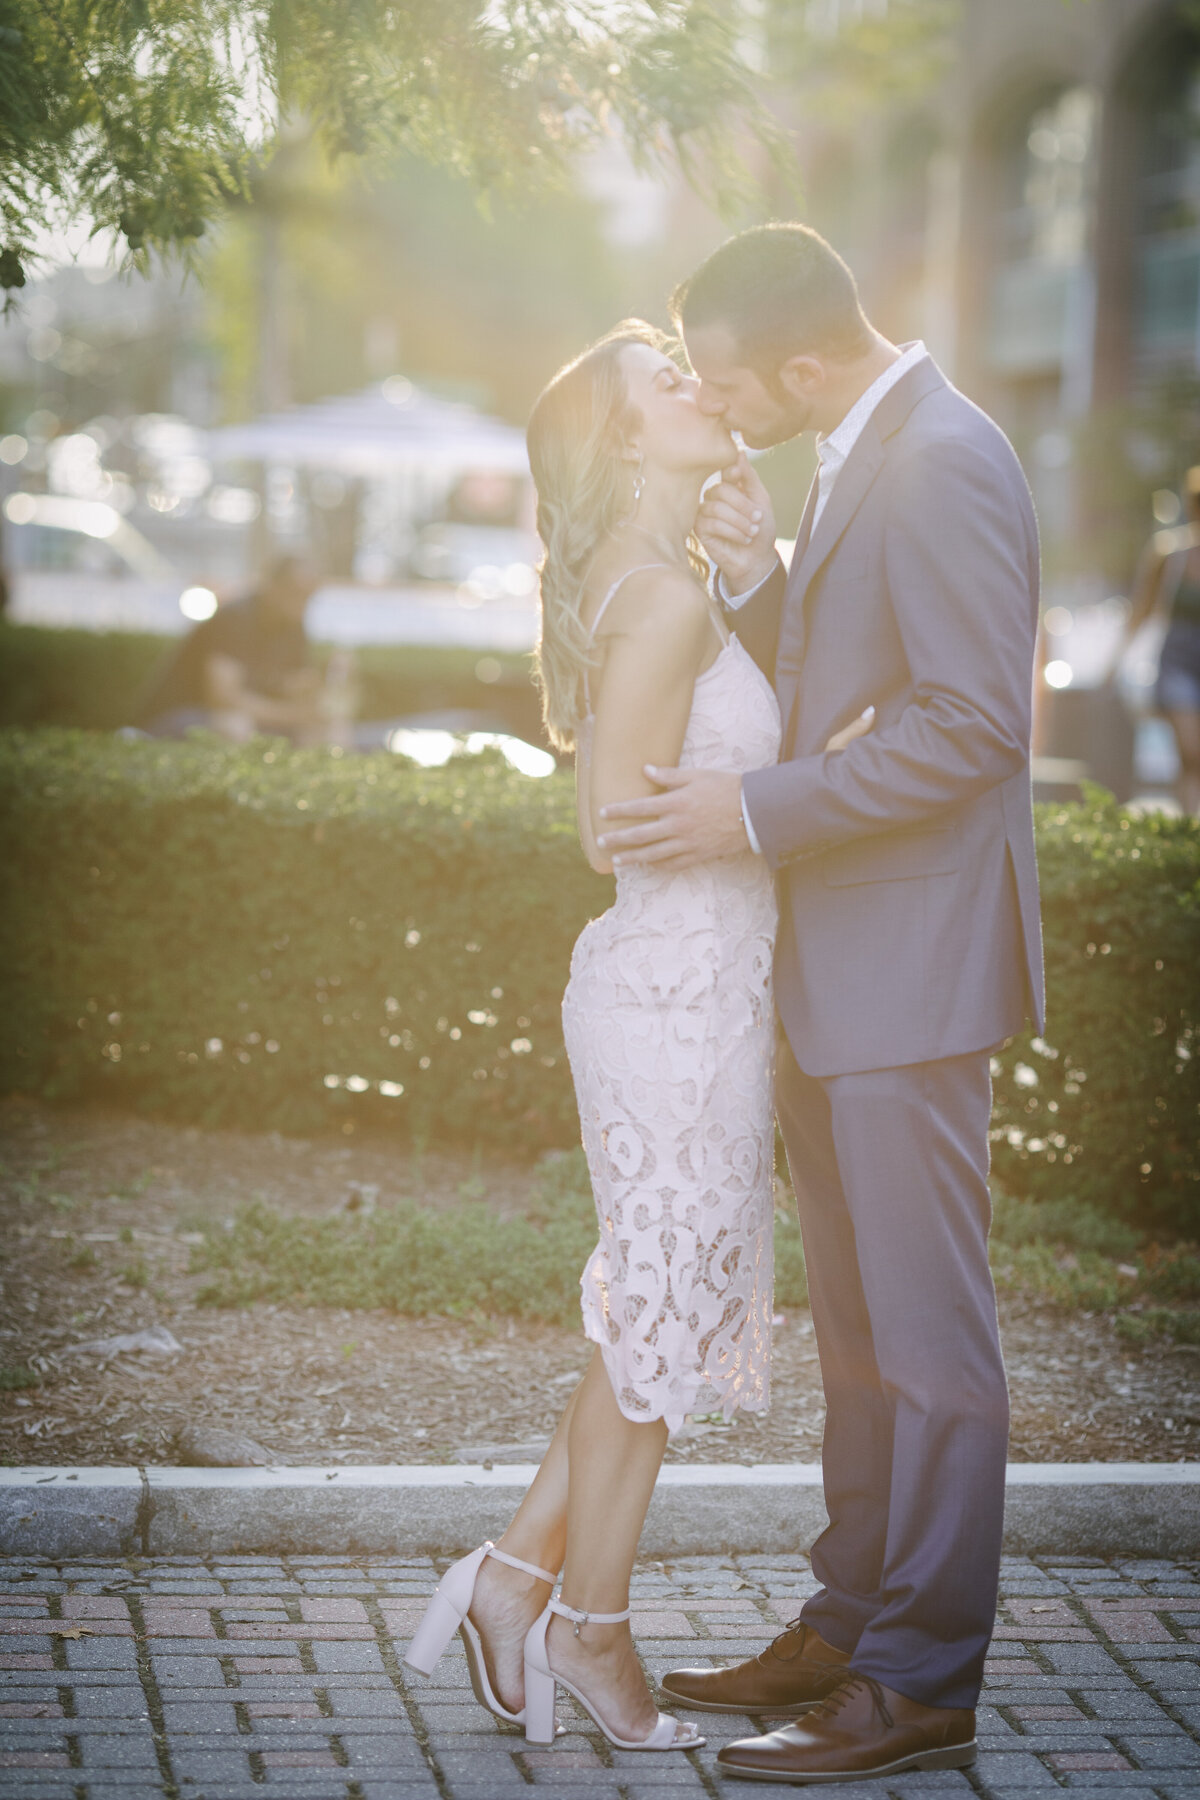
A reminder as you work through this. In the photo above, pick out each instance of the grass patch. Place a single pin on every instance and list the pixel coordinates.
(1072, 1223)
(1183, 1327)
(462, 1261)
(14, 1378)
(467, 1261)
(1082, 1259)
(408, 1259)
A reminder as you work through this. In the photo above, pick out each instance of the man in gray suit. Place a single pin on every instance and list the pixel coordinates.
(909, 948)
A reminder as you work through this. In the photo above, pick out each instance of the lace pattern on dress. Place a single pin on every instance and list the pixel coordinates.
(669, 1025)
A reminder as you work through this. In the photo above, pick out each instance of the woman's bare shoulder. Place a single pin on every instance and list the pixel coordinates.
(648, 601)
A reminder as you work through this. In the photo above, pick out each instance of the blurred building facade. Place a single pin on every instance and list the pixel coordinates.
(1036, 217)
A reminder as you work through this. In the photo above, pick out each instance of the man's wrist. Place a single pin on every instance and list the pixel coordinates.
(764, 570)
(746, 589)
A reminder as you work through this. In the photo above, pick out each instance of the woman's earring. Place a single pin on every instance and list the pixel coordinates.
(639, 481)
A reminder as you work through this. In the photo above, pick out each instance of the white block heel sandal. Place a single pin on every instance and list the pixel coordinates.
(447, 1613)
(541, 1681)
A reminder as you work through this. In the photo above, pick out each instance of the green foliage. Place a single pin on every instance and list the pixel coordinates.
(408, 1259)
(15, 1377)
(146, 118)
(1126, 451)
(489, 302)
(460, 1261)
(468, 1260)
(1068, 1223)
(93, 680)
(264, 937)
(1106, 1109)
(853, 59)
(84, 678)
(1156, 1322)
(791, 1276)
(1068, 1253)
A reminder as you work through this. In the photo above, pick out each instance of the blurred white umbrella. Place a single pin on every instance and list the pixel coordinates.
(390, 426)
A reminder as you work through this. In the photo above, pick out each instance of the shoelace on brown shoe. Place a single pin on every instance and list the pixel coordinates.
(848, 1680)
(826, 1671)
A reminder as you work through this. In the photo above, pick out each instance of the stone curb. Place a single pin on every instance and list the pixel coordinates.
(1067, 1509)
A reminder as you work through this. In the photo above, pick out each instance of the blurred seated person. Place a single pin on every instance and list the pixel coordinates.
(248, 671)
(1168, 581)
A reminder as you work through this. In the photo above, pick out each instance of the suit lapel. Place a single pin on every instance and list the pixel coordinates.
(804, 529)
(814, 544)
(862, 465)
(849, 492)
(791, 613)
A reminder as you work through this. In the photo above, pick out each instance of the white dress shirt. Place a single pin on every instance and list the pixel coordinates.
(832, 453)
(833, 450)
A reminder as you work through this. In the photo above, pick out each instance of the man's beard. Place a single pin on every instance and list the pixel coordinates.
(793, 419)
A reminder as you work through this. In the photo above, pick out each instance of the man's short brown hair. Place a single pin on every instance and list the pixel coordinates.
(782, 291)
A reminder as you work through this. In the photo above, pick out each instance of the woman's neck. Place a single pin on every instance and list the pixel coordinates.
(667, 518)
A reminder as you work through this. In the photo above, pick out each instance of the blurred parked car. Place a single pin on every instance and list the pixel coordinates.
(494, 561)
(79, 563)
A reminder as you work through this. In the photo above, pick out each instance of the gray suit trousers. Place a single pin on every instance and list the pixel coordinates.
(890, 1170)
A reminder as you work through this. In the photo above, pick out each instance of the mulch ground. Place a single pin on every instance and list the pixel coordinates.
(316, 1385)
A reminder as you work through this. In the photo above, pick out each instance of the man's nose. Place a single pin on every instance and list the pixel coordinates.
(710, 402)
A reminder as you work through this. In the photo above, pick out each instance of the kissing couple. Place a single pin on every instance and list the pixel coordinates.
(813, 788)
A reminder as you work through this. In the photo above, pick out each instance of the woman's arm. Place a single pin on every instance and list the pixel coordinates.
(659, 635)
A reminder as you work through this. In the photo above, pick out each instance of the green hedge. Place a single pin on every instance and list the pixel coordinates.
(235, 935)
(94, 680)
(265, 937)
(1106, 1109)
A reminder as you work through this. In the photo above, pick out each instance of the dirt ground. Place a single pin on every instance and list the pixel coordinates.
(97, 1214)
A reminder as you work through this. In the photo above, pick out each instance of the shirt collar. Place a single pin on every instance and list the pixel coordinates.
(835, 447)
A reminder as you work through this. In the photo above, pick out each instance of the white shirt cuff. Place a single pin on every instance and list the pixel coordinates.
(734, 601)
(751, 834)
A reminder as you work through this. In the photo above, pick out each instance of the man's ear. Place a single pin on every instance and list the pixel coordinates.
(800, 376)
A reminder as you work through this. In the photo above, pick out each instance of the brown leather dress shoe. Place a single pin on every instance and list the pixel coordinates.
(861, 1729)
(794, 1671)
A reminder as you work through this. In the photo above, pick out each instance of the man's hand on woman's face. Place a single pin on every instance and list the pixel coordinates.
(736, 525)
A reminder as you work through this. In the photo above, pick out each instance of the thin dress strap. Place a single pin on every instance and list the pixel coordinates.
(602, 609)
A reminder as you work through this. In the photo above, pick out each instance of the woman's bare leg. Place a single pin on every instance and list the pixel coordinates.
(614, 1463)
(506, 1603)
(588, 1500)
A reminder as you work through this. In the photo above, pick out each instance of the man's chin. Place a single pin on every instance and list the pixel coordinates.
(771, 440)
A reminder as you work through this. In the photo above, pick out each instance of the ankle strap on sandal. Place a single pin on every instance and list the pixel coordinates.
(514, 1562)
(587, 1618)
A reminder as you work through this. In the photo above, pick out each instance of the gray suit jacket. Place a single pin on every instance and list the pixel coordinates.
(909, 922)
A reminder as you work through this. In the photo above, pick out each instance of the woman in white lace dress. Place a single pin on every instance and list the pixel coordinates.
(669, 1027)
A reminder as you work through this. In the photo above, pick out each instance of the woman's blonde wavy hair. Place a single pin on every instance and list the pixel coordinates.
(580, 426)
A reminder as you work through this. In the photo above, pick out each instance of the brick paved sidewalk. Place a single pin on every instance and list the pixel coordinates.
(246, 1677)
